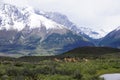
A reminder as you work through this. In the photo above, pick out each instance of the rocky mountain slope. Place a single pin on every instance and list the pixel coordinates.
(112, 39)
(63, 19)
(24, 32)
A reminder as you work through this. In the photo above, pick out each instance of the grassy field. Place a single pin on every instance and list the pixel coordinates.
(79, 64)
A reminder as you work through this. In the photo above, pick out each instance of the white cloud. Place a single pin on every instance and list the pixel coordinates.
(90, 13)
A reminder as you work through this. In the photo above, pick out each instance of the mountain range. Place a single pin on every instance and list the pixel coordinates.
(29, 32)
(23, 32)
(63, 19)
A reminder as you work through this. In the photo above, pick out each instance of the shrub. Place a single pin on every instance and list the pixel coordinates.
(77, 75)
(13, 72)
(18, 64)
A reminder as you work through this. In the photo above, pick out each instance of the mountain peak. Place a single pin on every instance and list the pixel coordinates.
(12, 17)
(24, 31)
(63, 19)
(8, 7)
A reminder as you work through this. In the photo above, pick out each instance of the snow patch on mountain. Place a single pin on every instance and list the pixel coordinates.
(12, 17)
(95, 34)
(62, 19)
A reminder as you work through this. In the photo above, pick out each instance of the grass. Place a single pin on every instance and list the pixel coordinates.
(81, 67)
(52, 70)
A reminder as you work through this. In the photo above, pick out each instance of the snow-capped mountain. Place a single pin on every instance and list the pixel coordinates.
(62, 19)
(12, 17)
(24, 32)
(94, 34)
(112, 39)
(59, 18)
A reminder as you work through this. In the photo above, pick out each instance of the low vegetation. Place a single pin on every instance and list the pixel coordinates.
(66, 67)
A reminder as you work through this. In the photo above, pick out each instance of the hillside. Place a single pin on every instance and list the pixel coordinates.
(92, 52)
(82, 52)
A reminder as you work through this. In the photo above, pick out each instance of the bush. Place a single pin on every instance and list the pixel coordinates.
(13, 72)
(77, 75)
(18, 64)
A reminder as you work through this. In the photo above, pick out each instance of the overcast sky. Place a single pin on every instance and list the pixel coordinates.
(97, 14)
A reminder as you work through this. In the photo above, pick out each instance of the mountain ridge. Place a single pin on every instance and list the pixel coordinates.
(33, 34)
(112, 39)
(63, 19)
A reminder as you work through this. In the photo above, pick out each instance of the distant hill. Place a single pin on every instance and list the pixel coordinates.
(91, 51)
(82, 52)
